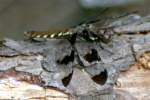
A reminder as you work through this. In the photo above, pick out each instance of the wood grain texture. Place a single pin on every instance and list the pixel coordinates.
(135, 83)
(11, 89)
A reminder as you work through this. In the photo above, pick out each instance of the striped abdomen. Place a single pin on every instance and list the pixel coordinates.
(47, 35)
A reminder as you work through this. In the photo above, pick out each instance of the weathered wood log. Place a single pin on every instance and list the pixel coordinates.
(47, 70)
(135, 82)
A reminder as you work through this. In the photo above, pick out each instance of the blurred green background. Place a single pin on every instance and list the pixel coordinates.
(17, 16)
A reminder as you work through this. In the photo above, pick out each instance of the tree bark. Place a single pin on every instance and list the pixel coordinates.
(30, 70)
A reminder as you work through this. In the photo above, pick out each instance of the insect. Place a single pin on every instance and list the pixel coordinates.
(37, 35)
(84, 32)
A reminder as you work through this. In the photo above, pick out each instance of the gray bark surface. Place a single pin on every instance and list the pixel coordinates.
(36, 63)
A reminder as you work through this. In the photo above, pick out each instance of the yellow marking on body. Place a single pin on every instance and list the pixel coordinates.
(34, 34)
(45, 36)
(92, 38)
(67, 33)
(60, 34)
(52, 35)
(38, 36)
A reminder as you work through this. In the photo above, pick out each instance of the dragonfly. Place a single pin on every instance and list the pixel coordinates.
(84, 32)
(87, 31)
